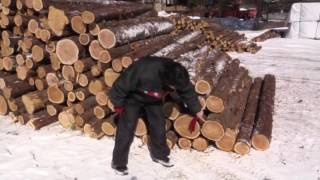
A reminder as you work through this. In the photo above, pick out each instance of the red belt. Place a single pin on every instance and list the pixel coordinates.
(155, 94)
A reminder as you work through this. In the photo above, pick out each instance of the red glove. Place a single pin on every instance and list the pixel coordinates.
(192, 124)
(119, 109)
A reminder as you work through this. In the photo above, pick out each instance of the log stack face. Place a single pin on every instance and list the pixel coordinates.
(59, 59)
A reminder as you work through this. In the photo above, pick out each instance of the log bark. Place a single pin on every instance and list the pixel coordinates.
(83, 65)
(243, 142)
(54, 109)
(16, 89)
(84, 118)
(35, 101)
(171, 110)
(263, 129)
(235, 106)
(171, 139)
(90, 102)
(119, 35)
(3, 106)
(40, 120)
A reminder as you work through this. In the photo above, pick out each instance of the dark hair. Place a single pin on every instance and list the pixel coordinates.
(176, 75)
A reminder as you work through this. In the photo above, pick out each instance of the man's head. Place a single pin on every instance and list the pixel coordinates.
(175, 75)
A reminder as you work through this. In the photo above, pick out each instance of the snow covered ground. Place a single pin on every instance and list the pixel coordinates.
(58, 154)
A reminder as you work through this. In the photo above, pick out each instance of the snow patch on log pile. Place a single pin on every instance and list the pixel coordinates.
(144, 30)
(171, 47)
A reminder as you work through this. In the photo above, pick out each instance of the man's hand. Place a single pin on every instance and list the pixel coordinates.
(119, 110)
(199, 115)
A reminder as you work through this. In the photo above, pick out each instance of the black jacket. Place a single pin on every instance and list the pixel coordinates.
(146, 75)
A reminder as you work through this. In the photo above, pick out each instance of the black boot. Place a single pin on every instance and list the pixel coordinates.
(120, 170)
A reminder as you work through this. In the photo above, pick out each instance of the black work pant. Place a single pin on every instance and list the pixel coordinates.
(126, 129)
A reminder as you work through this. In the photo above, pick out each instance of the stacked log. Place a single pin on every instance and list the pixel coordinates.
(222, 38)
(266, 35)
(59, 60)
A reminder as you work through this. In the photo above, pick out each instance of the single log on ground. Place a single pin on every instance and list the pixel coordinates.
(243, 142)
(181, 125)
(261, 136)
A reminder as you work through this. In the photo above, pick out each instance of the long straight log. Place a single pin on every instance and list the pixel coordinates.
(263, 129)
(243, 142)
(119, 35)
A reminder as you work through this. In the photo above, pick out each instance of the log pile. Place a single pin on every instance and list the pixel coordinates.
(60, 58)
(266, 35)
(222, 38)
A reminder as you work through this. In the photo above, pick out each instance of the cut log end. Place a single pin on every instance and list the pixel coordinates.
(77, 25)
(260, 142)
(37, 5)
(104, 56)
(102, 98)
(88, 17)
(110, 77)
(181, 125)
(184, 143)
(107, 38)
(67, 51)
(37, 53)
(126, 61)
(212, 130)
(66, 119)
(52, 111)
(202, 87)
(215, 104)
(227, 142)
(200, 144)
(84, 39)
(241, 148)
(55, 95)
(33, 26)
(3, 106)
